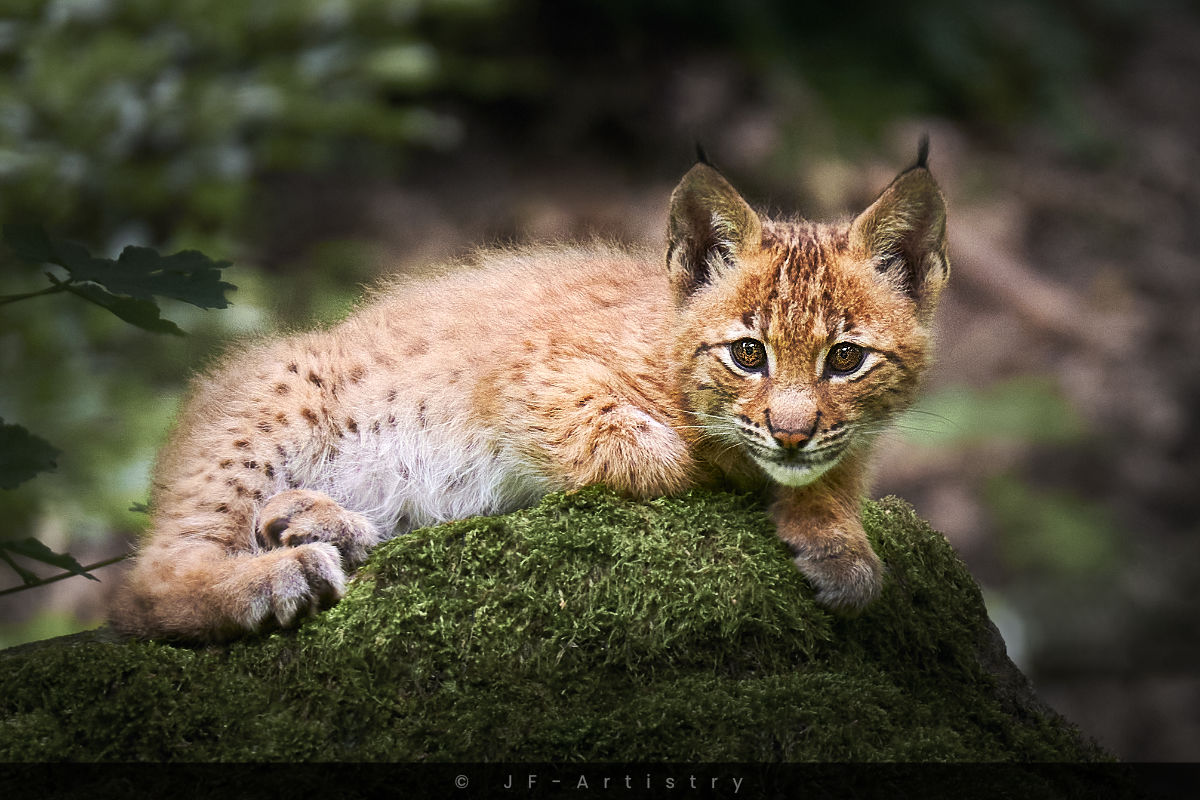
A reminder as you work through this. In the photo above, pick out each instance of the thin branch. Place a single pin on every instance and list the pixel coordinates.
(43, 581)
(12, 298)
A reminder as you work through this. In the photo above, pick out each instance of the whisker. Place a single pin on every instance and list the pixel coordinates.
(914, 428)
(939, 417)
(728, 447)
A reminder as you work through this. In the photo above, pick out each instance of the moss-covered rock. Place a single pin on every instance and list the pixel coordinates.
(590, 628)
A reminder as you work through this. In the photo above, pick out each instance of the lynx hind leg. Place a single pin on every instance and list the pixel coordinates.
(200, 588)
(283, 586)
(302, 516)
(197, 590)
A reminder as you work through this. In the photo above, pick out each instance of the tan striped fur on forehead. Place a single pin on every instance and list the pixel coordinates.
(800, 280)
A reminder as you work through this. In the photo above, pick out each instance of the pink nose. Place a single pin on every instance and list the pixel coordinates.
(791, 439)
(793, 418)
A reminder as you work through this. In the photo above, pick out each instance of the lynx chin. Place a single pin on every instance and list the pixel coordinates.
(759, 353)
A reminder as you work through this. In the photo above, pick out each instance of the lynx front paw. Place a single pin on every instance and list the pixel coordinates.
(301, 516)
(847, 578)
(292, 583)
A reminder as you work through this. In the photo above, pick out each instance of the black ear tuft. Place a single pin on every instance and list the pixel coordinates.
(922, 153)
(701, 156)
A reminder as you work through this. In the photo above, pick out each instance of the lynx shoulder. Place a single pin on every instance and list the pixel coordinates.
(759, 352)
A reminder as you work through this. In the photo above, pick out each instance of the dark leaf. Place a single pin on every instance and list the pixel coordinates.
(189, 276)
(35, 550)
(72, 255)
(29, 243)
(140, 273)
(139, 508)
(142, 313)
(23, 455)
(27, 577)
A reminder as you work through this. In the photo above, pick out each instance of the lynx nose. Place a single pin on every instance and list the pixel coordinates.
(791, 440)
(793, 432)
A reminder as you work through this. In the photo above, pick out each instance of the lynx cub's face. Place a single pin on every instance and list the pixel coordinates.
(800, 340)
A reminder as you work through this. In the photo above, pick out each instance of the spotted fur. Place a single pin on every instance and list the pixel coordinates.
(539, 369)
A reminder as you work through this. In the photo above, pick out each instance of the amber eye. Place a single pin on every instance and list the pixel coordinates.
(844, 358)
(749, 354)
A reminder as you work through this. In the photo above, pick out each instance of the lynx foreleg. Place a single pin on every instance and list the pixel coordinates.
(822, 525)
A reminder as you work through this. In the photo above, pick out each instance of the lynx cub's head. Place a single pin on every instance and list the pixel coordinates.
(800, 340)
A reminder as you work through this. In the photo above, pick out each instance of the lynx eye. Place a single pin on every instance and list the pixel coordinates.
(844, 358)
(749, 354)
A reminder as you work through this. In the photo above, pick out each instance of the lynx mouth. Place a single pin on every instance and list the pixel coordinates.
(791, 473)
(799, 469)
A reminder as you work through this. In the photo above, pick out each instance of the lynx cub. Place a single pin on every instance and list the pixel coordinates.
(762, 353)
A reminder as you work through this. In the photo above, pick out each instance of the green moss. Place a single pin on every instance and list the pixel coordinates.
(590, 628)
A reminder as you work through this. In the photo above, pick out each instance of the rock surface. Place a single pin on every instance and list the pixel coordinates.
(590, 628)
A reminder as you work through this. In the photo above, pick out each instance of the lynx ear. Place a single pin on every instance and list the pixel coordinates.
(710, 225)
(904, 234)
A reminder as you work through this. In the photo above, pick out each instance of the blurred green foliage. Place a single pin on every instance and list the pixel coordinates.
(1042, 529)
(141, 120)
(1025, 409)
(148, 120)
(126, 287)
(46, 624)
(1052, 531)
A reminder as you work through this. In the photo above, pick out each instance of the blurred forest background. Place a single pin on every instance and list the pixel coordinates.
(318, 144)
